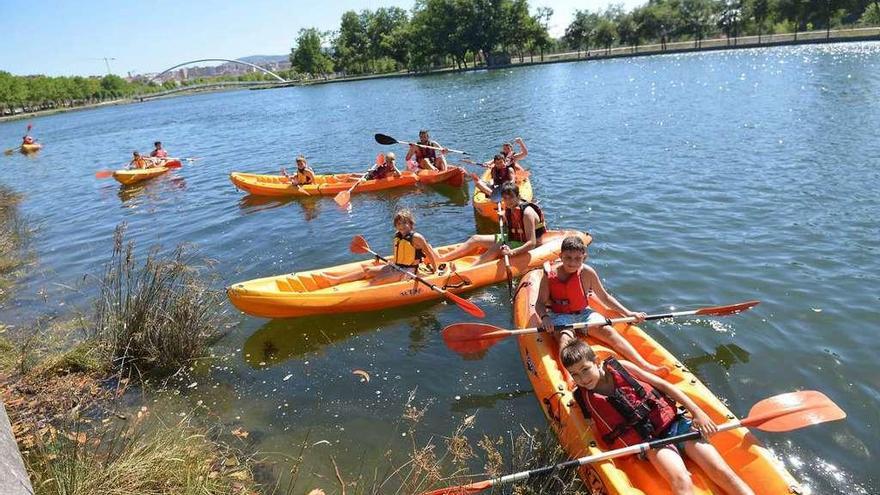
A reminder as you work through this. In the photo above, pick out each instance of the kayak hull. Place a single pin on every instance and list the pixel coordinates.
(309, 293)
(628, 475)
(486, 208)
(331, 185)
(133, 176)
(31, 148)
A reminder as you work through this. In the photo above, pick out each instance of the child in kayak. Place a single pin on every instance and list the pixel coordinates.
(427, 158)
(410, 249)
(138, 161)
(510, 157)
(158, 151)
(563, 298)
(502, 172)
(388, 168)
(304, 174)
(524, 223)
(628, 406)
(28, 139)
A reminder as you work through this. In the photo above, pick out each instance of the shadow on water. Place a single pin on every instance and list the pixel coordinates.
(281, 340)
(311, 206)
(151, 189)
(725, 355)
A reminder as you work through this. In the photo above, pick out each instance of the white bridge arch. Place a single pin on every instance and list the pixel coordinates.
(265, 71)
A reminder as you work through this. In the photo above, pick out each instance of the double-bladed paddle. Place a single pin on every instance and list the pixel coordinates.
(343, 198)
(471, 338)
(359, 246)
(388, 140)
(780, 413)
(506, 257)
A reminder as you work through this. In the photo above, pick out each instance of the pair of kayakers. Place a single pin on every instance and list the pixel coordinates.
(157, 157)
(387, 167)
(627, 402)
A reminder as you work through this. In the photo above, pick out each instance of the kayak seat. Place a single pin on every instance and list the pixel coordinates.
(295, 285)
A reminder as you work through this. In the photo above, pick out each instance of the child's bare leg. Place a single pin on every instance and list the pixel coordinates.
(493, 253)
(364, 273)
(608, 335)
(474, 242)
(387, 275)
(716, 468)
(426, 164)
(670, 465)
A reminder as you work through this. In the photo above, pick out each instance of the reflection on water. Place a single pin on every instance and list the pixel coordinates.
(152, 190)
(725, 355)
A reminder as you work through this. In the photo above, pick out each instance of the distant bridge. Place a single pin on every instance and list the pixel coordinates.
(261, 69)
(211, 85)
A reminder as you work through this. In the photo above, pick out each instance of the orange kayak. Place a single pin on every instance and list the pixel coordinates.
(628, 475)
(135, 175)
(487, 208)
(278, 185)
(310, 293)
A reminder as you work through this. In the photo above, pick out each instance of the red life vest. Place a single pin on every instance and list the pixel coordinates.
(634, 413)
(430, 154)
(499, 177)
(516, 228)
(566, 297)
(159, 154)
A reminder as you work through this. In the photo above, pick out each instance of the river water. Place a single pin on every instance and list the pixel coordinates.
(705, 178)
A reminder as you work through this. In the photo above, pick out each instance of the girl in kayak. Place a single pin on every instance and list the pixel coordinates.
(510, 157)
(388, 168)
(628, 406)
(409, 247)
(523, 221)
(427, 158)
(158, 151)
(563, 298)
(138, 161)
(304, 174)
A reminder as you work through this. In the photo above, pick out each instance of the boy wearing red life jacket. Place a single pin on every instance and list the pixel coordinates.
(158, 151)
(427, 158)
(628, 406)
(524, 222)
(563, 298)
(410, 250)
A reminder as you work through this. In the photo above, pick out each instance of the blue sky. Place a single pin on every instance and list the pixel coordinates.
(56, 37)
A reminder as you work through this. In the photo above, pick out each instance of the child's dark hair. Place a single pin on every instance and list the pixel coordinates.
(404, 215)
(509, 187)
(498, 156)
(157, 143)
(576, 351)
(573, 243)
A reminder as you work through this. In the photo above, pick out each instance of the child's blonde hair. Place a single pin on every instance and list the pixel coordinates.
(404, 215)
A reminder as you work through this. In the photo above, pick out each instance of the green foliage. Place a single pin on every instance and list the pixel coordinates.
(308, 56)
(871, 17)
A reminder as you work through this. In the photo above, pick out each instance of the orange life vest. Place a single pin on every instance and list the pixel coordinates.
(302, 177)
(566, 297)
(634, 413)
(516, 229)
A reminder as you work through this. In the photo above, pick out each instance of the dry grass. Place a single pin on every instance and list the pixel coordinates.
(15, 235)
(157, 317)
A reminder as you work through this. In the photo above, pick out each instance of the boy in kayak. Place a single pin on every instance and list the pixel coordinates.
(628, 406)
(158, 151)
(388, 168)
(510, 157)
(502, 172)
(304, 174)
(523, 221)
(427, 158)
(410, 249)
(563, 297)
(28, 139)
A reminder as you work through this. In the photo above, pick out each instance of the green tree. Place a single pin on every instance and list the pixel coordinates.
(308, 55)
(581, 31)
(871, 16)
(351, 47)
(606, 33)
(628, 30)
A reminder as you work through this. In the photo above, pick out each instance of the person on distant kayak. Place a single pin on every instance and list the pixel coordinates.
(502, 172)
(158, 151)
(304, 174)
(410, 250)
(563, 298)
(510, 157)
(524, 224)
(388, 168)
(28, 139)
(427, 158)
(138, 161)
(628, 406)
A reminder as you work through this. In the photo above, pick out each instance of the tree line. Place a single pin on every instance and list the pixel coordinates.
(438, 33)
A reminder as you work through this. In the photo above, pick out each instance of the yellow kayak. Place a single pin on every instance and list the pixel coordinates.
(31, 148)
(135, 175)
(628, 475)
(310, 293)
